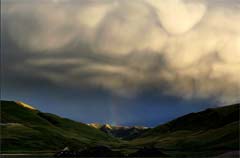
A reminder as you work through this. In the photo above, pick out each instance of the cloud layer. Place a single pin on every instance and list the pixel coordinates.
(188, 49)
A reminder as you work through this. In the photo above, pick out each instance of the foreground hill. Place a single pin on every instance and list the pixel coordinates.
(24, 128)
(122, 132)
(212, 129)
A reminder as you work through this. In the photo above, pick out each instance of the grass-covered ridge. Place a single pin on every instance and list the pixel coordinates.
(24, 129)
(212, 129)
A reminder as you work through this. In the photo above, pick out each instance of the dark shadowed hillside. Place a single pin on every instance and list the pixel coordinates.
(212, 129)
(208, 119)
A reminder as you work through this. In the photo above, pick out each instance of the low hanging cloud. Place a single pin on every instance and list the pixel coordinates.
(188, 49)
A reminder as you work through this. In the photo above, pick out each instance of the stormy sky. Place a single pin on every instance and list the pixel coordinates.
(138, 62)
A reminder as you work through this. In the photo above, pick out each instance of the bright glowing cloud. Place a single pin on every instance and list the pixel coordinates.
(178, 16)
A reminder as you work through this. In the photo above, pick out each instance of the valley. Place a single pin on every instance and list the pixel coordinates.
(211, 132)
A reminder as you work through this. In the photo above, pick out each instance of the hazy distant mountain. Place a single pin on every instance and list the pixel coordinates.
(123, 132)
(24, 128)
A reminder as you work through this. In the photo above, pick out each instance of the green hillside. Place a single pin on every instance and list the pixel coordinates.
(212, 129)
(207, 133)
(25, 129)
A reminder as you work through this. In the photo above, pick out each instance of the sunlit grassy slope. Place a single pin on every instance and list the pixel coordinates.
(212, 129)
(24, 129)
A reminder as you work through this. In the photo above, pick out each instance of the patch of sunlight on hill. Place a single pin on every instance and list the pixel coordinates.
(25, 105)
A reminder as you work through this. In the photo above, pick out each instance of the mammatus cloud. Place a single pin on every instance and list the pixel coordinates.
(177, 16)
(189, 49)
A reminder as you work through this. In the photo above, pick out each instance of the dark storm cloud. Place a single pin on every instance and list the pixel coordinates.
(188, 49)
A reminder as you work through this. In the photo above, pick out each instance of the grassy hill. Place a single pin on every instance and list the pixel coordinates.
(28, 129)
(207, 133)
(213, 129)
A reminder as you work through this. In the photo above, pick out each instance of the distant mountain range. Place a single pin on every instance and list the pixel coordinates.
(208, 133)
(122, 132)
